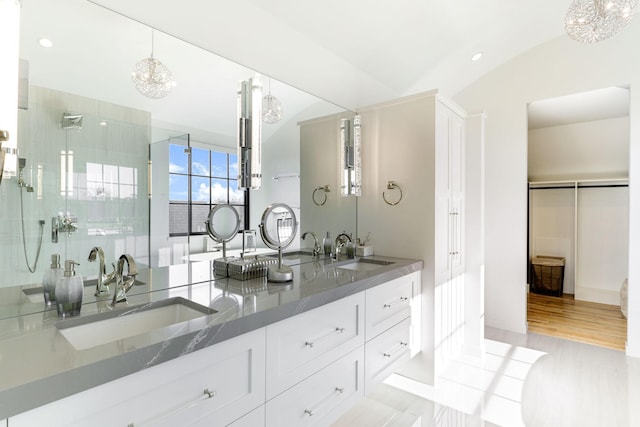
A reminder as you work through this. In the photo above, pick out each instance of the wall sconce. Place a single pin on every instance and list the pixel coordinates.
(9, 46)
(250, 133)
(350, 171)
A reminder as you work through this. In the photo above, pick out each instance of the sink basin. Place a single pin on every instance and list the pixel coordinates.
(102, 328)
(365, 264)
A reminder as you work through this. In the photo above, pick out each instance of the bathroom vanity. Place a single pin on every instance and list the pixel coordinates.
(259, 354)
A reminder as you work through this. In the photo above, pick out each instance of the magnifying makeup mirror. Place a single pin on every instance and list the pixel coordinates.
(222, 225)
(278, 229)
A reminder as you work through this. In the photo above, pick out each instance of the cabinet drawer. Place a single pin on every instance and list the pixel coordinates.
(302, 345)
(389, 304)
(169, 394)
(321, 398)
(386, 351)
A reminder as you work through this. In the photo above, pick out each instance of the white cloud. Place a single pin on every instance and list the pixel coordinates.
(173, 168)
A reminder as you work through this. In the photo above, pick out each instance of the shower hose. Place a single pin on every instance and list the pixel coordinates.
(24, 242)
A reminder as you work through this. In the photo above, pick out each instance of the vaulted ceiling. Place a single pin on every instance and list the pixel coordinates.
(351, 53)
(358, 52)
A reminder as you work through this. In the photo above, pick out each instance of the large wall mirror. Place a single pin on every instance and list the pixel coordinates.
(91, 175)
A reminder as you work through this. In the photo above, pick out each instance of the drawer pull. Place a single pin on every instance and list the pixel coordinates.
(398, 348)
(336, 392)
(310, 344)
(207, 394)
(398, 301)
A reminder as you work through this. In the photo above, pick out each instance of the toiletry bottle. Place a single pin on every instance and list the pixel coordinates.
(69, 290)
(327, 245)
(50, 278)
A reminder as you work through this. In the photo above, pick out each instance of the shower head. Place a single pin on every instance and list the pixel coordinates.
(72, 121)
(22, 162)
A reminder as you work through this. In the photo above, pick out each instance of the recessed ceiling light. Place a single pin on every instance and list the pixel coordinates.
(45, 42)
(103, 123)
(476, 56)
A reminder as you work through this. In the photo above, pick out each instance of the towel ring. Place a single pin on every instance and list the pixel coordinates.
(325, 189)
(391, 185)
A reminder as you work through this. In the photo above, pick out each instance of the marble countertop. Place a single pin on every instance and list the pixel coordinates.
(38, 365)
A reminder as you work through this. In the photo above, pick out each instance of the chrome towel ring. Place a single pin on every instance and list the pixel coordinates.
(324, 189)
(391, 185)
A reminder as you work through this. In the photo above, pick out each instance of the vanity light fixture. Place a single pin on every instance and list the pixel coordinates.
(591, 21)
(9, 46)
(272, 110)
(350, 171)
(151, 77)
(250, 133)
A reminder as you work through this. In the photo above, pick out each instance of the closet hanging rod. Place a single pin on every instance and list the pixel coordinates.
(556, 187)
(584, 183)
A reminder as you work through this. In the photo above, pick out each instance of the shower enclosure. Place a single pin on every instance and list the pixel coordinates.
(88, 169)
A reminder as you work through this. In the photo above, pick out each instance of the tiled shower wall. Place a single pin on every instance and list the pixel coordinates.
(105, 185)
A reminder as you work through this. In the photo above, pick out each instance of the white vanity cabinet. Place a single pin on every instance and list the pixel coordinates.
(321, 398)
(302, 345)
(307, 369)
(213, 387)
(388, 326)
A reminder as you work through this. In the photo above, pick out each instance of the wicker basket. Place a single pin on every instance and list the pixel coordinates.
(547, 275)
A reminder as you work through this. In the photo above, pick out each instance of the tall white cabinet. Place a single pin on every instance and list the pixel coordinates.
(419, 143)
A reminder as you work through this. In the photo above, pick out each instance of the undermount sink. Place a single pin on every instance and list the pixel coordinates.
(103, 328)
(365, 264)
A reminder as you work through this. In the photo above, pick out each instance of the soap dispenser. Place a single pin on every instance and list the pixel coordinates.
(50, 278)
(69, 290)
(327, 246)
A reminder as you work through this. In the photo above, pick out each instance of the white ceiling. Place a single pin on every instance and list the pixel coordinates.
(358, 52)
(589, 106)
(351, 53)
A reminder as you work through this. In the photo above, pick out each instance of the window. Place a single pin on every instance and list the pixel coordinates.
(210, 178)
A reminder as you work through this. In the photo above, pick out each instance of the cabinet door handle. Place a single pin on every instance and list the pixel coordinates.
(398, 348)
(398, 301)
(206, 395)
(336, 331)
(336, 392)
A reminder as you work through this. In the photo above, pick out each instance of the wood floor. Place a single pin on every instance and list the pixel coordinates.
(588, 322)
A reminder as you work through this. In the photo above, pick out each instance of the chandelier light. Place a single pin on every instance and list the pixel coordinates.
(590, 21)
(151, 77)
(272, 110)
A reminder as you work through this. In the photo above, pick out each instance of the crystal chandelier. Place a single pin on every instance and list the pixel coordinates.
(272, 110)
(590, 21)
(151, 77)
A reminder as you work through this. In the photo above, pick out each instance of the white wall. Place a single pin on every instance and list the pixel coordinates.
(602, 243)
(552, 228)
(556, 68)
(595, 149)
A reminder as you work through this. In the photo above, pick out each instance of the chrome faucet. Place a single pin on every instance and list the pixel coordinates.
(102, 287)
(341, 240)
(316, 244)
(123, 285)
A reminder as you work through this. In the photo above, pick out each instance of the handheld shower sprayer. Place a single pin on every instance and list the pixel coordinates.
(22, 162)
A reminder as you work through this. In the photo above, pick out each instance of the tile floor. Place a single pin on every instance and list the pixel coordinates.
(523, 380)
